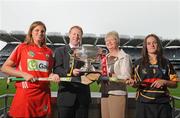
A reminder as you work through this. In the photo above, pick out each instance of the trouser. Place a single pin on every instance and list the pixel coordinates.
(147, 110)
(75, 111)
(113, 106)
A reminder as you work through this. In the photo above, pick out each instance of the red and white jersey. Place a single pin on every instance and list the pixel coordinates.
(34, 60)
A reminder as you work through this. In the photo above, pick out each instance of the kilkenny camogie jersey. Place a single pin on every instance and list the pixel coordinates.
(146, 75)
(33, 60)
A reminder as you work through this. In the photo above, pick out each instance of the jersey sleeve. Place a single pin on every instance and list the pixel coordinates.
(16, 54)
(135, 70)
(51, 60)
(172, 73)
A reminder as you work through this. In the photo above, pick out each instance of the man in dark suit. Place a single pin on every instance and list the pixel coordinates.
(73, 98)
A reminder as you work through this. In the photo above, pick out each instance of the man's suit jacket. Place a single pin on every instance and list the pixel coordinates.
(68, 92)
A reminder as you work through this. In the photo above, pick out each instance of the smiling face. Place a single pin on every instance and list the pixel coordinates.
(151, 48)
(152, 45)
(111, 42)
(75, 36)
(38, 35)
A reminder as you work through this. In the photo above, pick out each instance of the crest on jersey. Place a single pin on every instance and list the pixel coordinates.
(47, 56)
(31, 53)
(144, 71)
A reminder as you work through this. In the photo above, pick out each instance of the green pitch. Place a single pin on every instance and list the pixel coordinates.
(94, 88)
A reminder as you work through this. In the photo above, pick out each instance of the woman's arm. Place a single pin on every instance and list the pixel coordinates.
(161, 83)
(9, 68)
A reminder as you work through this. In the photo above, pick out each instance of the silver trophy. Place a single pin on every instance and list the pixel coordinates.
(89, 55)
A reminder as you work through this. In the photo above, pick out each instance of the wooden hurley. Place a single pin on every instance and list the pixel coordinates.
(85, 79)
(65, 79)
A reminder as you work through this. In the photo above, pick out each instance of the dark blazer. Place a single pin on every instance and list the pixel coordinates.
(69, 92)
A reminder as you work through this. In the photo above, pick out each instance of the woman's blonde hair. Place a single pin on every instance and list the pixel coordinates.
(115, 35)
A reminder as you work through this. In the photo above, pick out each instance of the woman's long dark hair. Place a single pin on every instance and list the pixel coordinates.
(145, 56)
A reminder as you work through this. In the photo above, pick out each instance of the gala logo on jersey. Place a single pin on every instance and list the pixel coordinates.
(37, 65)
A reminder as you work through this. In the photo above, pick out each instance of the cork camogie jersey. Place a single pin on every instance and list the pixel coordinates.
(33, 60)
(146, 75)
(32, 99)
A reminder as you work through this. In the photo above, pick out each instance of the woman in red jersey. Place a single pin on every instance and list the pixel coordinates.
(31, 59)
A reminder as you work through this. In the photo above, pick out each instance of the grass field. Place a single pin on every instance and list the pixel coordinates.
(94, 88)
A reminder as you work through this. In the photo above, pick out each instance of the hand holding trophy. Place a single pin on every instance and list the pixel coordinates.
(89, 55)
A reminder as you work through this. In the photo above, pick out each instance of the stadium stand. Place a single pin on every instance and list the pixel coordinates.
(6, 37)
(175, 42)
(133, 52)
(55, 38)
(18, 35)
(66, 37)
(8, 49)
(89, 39)
(124, 39)
(100, 41)
(135, 41)
(5, 52)
(165, 42)
(173, 55)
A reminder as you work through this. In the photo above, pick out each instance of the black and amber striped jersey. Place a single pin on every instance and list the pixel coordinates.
(145, 75)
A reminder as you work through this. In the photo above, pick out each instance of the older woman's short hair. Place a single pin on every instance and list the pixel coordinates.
(113, 34)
